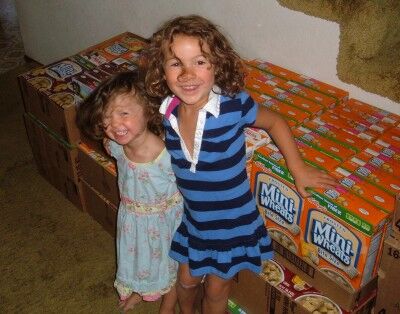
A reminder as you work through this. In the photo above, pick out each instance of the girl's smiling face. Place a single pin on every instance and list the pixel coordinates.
(188, 72)
(124, 120)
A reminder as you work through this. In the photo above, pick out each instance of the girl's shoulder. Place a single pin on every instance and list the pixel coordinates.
(115, 149)
(243, 96)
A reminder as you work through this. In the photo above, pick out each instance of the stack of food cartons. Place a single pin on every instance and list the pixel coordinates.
(338, 94)
(97, 170)
(51, 95)
(278, 290)
(334, 238)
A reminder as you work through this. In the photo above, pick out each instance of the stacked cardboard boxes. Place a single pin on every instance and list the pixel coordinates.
(328, 247)
(334, 239)
(69, 160)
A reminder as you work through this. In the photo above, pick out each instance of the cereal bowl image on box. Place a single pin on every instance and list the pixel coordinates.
(272, 272)
(283, 238)
(318, 304)
(338, 277)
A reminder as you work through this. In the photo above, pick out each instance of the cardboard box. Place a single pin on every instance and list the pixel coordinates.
(339, 94)
(99, 172)
(288, 112)
(99, 208)
(395, 230)
(365, 190)
(336, 134)
(322, 144)
(312, 108)
(50, 149)
(371, 112)
(48, 95)
(126, 45)
(349, 126)
(372, 124)
(379, 157)
(294, 221)
(327, 102)
(373, 175)
(388, 298)
(278, 290)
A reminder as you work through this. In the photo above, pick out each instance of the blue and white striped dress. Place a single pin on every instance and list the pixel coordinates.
(222, 231)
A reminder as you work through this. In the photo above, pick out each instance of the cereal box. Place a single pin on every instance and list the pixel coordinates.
(373, 175)
(326, 101)
(330, 131)
(126, 45)
(316, 158)
(372, 112)
(349, 126)
(286, 111)
(304, 104)
(338, 231)
(367, 121)
(325, 145)
(392, 137)
(381, 157)
(364, 189)
(339, 94)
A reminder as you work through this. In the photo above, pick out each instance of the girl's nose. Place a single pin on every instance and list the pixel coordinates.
(186, 73)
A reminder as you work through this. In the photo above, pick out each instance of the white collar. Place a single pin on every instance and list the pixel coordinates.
(212, 106)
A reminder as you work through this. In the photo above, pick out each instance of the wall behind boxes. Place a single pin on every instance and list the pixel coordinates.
(52, 30)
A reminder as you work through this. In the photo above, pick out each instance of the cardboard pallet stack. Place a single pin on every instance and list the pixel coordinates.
(73, 163)
(328, 247)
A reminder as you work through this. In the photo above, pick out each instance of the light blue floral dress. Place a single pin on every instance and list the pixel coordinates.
(150, 211)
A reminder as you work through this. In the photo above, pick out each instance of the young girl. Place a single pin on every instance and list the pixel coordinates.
(193, 65)
(151, 208)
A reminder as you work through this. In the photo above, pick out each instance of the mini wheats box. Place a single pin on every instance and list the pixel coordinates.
(334, 229)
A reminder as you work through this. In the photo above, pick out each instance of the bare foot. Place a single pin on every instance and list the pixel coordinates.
(130, 302)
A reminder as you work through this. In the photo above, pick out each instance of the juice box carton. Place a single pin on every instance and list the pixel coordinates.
(323, 144)
(286, 111)
(333, 133)
(339, 232)
(372, 112)
(364, 189)
(327, 102)
(339, 94)
(373, 175)
(304, 104)
(349, 126)
(369, 122)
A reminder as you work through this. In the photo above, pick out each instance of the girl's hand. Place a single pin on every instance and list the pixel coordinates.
(310, 177)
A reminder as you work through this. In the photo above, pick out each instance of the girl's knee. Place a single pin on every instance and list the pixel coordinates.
(217, 290)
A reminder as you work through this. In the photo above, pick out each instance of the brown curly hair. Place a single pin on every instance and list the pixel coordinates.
(229, 73)
(89, 117)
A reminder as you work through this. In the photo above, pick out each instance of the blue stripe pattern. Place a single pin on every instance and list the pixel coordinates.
(222, 231)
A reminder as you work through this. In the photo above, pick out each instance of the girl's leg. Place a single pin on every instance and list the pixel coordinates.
(216, 293)
(187, 288)
(168, 302)
(130, 302)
